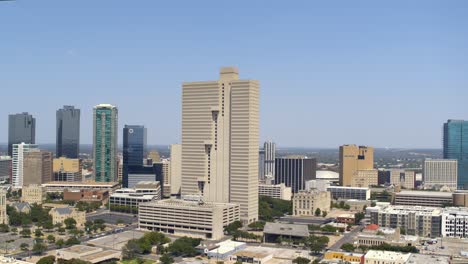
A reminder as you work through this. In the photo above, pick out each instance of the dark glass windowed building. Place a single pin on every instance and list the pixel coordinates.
(134, 149)
(456, 147)
(139, 173)
(21, 128)
(295, 171)
(68, 132)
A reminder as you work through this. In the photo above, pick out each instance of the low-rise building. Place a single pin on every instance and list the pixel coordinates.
(33, 193)
(386, 257)
(268, 255)
(224, 249)
(9, 260)
(305, 203)
(127, 199)
(346, 219)
(60, 186)
(342, 192)
(344, 257)
(60, 214)
(88, 254)
(274, 232)
(77, 195)
(320, 185)
(278, 191)
(178, 217)
(460, 198)
(357, 205)
(21, 207)
(423, 198)
(455, 222)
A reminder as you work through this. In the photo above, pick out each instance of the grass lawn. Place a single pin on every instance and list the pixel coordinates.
(134, 261)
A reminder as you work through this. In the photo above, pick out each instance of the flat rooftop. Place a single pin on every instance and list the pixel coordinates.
(60, 183)
(286, 229)
(184, 203)
(79, 249)
(425, 193)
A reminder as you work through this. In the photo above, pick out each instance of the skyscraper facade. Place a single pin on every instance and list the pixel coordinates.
(295, 171)
(5, 168)
(18, 161)
(134, 149)
(105, 143)
(456, 147)
(270, 155)
(68, 132)
(353, 159)
(220, 141)
(261, 165)
(21, 128)
(37, 168)
(440, 172)
(176, 160)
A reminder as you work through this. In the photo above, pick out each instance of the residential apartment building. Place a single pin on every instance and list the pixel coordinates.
(68, 132)
(60, 214)
(19, 151)
(277, 191)
(305, 203)
(37, 167)
(455, 222)
(352, 160)
(423, 198)
(345, 193)
(220, 122)
(33, 193)
(404, 178)
(295, 171)
(440, 172)
(204, 220)
(105, 135)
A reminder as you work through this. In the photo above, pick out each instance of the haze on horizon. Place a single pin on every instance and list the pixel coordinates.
(385, 74)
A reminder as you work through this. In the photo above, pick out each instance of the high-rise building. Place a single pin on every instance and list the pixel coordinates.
(261, 165)
(220, 141)
(270, 155)
(21, 128)
(456, 147)
(353, 159)
(68, 132)
(176, 168)
(5, 168)
(105, 143)
(403, 178)
(440, 172)
(134, 148)
(294, 172)
(37, 167)
(66, 169)
(19, 151)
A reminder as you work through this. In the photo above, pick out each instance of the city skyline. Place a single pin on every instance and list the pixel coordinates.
(410, 68)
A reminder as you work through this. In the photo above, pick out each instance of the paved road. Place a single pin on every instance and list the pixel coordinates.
(347, 238)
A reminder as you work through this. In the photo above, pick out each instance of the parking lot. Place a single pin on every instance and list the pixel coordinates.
(447, 246)
(116, 241)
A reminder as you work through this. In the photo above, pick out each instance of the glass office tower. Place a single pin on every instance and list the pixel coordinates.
(68, 132)
(21, 128)
(105, 143)
(456, 147)
(134, 149)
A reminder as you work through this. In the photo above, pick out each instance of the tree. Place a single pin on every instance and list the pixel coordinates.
(166, 259)
(4, 228)
(184, 247)
(301, 260)
(59, 243)
(402, 231)
(14, 230)
(47, 260)
(358, 217)
(329, 228)
(348, 247)
(258, 225)
(373, 204)
(317, 243)
(324, 213)
(232, 227)
(70, 223)
(271, 208)
(38, 233)
(51, 238)
(39, 248)
(48, 225)
(24, 246)
(317, 212)
(131, 249)
(363, 248)
(72, 241)
(26, 232)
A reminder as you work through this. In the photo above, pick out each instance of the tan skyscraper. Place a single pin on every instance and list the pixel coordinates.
(220, 141)
(37, 166)
(176, 160)
(353, 159)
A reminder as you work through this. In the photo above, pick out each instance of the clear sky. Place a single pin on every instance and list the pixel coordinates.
(381, 73)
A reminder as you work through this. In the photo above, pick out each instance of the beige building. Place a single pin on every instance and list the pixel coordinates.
(440, 172)
(66, 169)
(403, 178)
(306, 202)
(37, 166)
(33, 193)
(278, 191)
(154, 156)
(3, 208)
(352, 160)
(60, 214)
(365, 178)
(187, 218)
(220, 141)
(88, 254)
(386, 257)
(176, 160)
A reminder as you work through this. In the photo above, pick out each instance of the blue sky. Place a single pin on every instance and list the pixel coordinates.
(386, 74)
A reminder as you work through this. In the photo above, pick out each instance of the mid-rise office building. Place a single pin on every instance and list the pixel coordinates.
(5, 168)
(3, 207)
(277, 191)
(68, 132)
(416, 220)
(33, 193)
(166, 171)
(440, 172)
(403, 178)
(270, 156)
(19, 150)
(66, 169)
(37, 167)
(345, 193)
(294, 172)
(21, 128)
(105, 143)
(365, 178)
(456, 147)
(455, 222)
(154, 156)
(305, 203)
(423, 198)
(176, 168)
(152, 173)
(178, 217)
(220, 141)
(134, 148)
(352, 160)
(126, 200)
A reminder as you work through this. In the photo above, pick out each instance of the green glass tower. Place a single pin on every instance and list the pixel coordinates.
(105, 143)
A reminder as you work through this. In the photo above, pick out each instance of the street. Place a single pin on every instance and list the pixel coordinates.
(347, 238)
